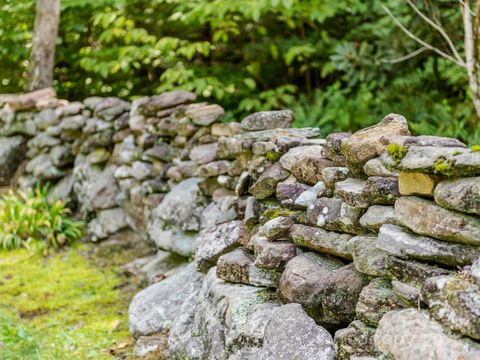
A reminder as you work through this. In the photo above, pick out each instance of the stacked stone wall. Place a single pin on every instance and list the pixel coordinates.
(272, 243)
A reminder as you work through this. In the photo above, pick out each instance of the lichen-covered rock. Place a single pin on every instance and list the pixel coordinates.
(381, 190)
(333, 144)
(400, 242)
(332, 175)
(356, 341)
(166, 100)
(107, 222)
(409, 334)
(214, 168)
(291, 334)
(288, 192)
(352, 192)
(459, 194)
(410, 272)
(376, 216)
(267, 182)
(308, 197)
(264, 120)
(155, 308)
(323, 286)
(277, 228)
(454, 302)
(12, 152)
(211, 243)
(427, 218)
(308, 168)
(273, 255)
(235, 266)
(375, 300)
(361, 146)
(415, 183)
(214, 321)
(289, 159)
(335, 215)
(320, 240)
(374, 167)
(205, 153)
(367, 258)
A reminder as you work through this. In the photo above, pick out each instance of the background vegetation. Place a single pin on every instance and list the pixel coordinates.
(335, 63)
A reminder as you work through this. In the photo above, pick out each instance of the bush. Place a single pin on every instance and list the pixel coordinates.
(29, 220)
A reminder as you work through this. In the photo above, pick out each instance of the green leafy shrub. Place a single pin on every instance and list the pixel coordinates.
(29, 220)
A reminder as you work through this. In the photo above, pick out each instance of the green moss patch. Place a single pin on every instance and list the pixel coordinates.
(62, 307)
(396, 151)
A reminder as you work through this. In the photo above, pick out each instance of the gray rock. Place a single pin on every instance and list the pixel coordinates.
(332, 175)
(352, 192)
(214, 242)
(206, 114)
(356, 341)
(288, 192)
(110, 108)
(63, 189)
(320, 240)
(377, 215)
(308, 168)
(309, 196)
(205, 153)
(277, 228)
(214, 168)
(214, 321)
(61, 155)
(400, 242)
(161, 151)
(409, 334)
(427, 218)
(266, 184)
(235, 266)
(361, 146)
(375, 300)
(454, 302)
(291, 334)
(335, 215)
(368, 259)
(333, 144)
(264, 120)
(43, 140)
(422, 140)
(166, 100)
(273, 255)
(459, 194)
(148, 344)
(381, 190)
(323, 286)
(12, 153)
(375, 167)
(294, 154)
(46, 118)
(155, 308)
(182, 206)
(75, 122)
(171, 238)
(108, 222)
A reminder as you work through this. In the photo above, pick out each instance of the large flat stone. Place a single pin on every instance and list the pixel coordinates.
(264, 120)
(400, 242)
(320, 240)
(409, 334)
(427, 218)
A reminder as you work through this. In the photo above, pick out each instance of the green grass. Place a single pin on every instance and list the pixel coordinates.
(63, 306)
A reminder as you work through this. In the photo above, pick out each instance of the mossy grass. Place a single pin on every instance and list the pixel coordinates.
(397, 152)
(63, 306)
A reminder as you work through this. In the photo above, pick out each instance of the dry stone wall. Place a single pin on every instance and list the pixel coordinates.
(271, 242)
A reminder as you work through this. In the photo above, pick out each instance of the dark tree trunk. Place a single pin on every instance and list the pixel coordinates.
(42, 55)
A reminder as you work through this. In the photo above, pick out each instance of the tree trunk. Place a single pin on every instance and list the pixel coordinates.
(42, 55)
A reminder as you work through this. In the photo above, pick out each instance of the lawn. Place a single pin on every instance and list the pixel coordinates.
(64, 306)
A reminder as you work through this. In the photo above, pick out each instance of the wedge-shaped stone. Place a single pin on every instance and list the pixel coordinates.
(361, 146)
(410, 334)
(267, 182)
(214, 242)
(459, 194)
(427, 218)
(400, 242)
(454, 301)
(320, 240)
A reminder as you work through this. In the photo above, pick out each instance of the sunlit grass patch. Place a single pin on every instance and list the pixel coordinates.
(60, 307)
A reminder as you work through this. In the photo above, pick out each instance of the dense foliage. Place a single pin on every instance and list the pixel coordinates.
(30, 220)
(336, 63)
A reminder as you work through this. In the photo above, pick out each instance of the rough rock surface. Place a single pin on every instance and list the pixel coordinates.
(264, 120)
(459, 194)
(12, 152)
(409, 334)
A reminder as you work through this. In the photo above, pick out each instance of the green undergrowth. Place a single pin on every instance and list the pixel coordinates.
(64, 306)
